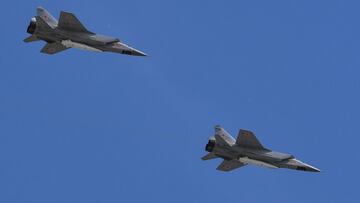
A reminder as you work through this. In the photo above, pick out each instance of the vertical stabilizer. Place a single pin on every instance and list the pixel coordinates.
(46, 16)
(222, 137)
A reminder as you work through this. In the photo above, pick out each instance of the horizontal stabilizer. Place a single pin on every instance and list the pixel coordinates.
(209, 156)
(53, 48)
(31, 38)
(68, 21)
(247, 139)
(229, 165)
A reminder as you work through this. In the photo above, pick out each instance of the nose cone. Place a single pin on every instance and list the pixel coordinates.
(312, 169)
(126, 49)
(137, 52)
(304, 167)
(298, 165)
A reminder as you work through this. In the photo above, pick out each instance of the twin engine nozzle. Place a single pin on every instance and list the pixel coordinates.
(32, 26)
(210, 145)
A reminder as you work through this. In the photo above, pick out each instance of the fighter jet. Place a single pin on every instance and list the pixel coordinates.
(247, 149)
(70, 33)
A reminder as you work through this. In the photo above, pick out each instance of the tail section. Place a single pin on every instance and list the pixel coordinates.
(222, 137)
(41, 24)
(68, 21)
(47, 17)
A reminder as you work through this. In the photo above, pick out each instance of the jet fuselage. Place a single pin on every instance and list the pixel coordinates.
(72, 35)
(248, 150)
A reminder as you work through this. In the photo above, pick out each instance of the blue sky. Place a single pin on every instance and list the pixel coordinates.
(99, 127)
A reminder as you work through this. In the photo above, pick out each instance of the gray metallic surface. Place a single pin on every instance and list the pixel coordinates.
(57, 34)
(247, 149)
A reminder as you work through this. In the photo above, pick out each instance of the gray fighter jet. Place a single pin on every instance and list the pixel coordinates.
(246, 149)
(70, 33)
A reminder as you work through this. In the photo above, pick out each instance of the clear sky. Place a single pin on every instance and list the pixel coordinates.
(89, 127)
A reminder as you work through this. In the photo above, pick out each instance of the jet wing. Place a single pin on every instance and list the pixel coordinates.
(209, 156)
(276, 156)
(53, 48)
(104, 39)
(229, 165)
(247, 139)
(68, 21)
